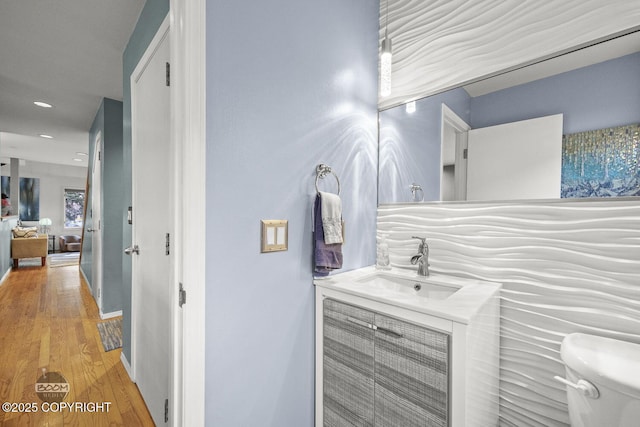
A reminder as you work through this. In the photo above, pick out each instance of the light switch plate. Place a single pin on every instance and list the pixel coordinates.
(275, 235)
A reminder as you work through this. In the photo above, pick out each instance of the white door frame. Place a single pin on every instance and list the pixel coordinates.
(188, 108)
(188, 124)
(96, 226)
(461, 128)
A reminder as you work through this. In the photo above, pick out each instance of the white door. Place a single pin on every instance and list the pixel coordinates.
(519, 160)
(453, 180)
(152, 223)
(96, 219)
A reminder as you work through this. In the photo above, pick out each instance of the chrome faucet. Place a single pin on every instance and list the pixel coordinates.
(422, 257)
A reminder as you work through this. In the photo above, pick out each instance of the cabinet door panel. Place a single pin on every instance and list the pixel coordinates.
(411, 374)
(348, 365)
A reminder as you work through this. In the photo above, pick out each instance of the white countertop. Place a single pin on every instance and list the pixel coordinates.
(460, 307)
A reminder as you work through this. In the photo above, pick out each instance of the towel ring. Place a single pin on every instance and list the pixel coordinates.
(321, 171)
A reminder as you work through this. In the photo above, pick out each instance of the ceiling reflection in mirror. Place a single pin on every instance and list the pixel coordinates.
(597, 148)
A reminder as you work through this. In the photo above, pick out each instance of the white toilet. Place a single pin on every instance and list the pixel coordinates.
(603, 381)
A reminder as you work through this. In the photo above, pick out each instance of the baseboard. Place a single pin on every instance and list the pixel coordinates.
(86, 281)
(104, 316)
(6, 274)
(127, 367)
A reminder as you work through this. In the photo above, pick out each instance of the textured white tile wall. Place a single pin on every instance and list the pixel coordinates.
(566, 266)
(438, 45)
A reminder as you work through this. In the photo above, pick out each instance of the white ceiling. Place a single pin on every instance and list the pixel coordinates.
(64, 52)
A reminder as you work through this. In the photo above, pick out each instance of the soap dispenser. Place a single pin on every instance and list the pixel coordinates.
(382, 254)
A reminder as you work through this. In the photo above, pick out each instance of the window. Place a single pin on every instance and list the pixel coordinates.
(73, 208)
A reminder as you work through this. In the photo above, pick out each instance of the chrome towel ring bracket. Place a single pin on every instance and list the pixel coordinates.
(417, 193)
(321, 171)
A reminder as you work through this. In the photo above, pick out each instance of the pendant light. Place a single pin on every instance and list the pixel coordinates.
(385, 59)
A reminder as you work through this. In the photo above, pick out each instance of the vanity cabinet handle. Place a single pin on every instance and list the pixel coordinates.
(360, 322)
(374, 327)
(388, 331)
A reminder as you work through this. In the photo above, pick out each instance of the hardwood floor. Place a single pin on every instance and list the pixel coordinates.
(48, 320)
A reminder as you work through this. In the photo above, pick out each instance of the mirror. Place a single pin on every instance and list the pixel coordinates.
(426, 149)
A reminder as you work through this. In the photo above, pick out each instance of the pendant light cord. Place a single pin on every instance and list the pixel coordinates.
(386, 22)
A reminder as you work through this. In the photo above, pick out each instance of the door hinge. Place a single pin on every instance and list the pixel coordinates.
(167, 244)
(465, 153)
(168, 74)
(166, 410)
(182, 296)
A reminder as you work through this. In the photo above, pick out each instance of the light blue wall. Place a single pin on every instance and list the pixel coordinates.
(594, 97)
(112, 207)
(290, 84)
(108, 121)
(410, 146)
(6, 225)
(87, 241)
(151, 17)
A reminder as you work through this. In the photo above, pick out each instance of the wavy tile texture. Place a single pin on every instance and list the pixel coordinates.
(438, 45)
(565, 266)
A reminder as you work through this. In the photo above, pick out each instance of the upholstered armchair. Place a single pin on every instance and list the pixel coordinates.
(70, 243)
(29, 247)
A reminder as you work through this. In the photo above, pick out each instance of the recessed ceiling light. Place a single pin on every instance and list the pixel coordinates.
(80, 153)
(77, 160)
(46, 136)
(42, 104)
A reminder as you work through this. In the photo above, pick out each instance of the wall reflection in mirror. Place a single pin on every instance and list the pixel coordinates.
(594, 152)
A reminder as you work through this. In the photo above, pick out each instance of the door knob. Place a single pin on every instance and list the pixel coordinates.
(132, 250)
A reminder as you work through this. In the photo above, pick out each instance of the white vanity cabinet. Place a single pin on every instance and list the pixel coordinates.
(382, 365)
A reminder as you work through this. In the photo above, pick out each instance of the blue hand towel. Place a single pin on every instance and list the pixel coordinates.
(326, 257)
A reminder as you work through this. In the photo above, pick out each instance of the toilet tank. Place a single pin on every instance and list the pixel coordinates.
(613, 367)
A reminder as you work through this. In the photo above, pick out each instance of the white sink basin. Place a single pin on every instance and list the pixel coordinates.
(419, 286)
(451, 297)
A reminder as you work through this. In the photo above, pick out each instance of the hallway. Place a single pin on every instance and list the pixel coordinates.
(48, 320)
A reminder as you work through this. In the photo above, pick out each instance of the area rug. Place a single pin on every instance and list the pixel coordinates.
(64, 259)
(111, 333)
